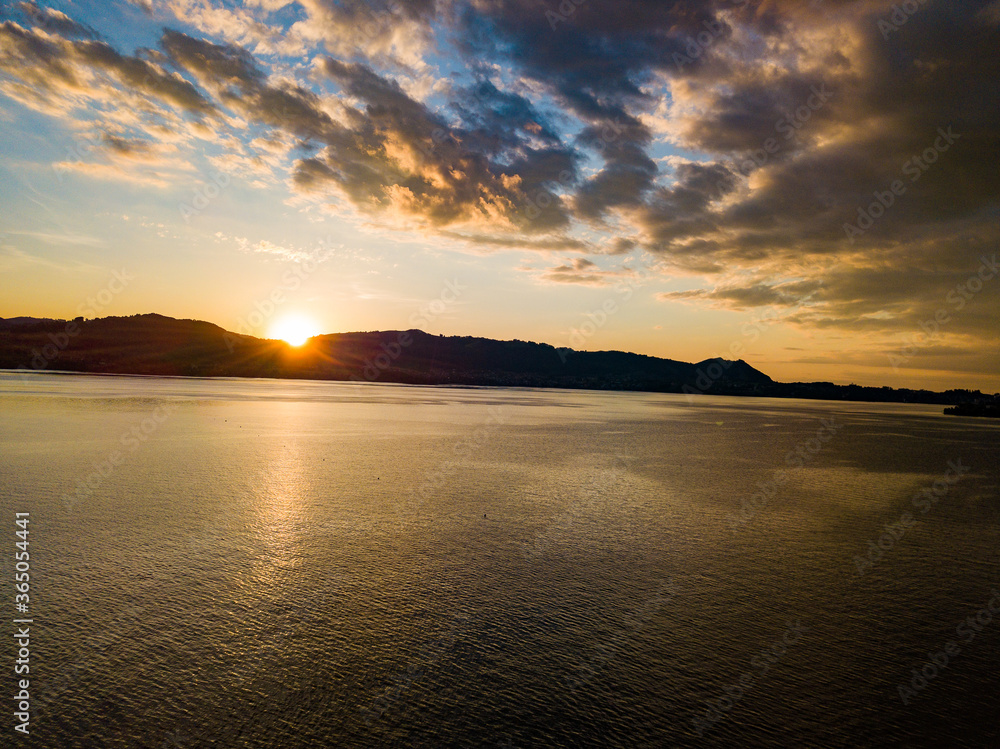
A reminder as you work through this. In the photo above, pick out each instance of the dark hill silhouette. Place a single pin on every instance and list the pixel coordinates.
(154, 344)
(157, 345)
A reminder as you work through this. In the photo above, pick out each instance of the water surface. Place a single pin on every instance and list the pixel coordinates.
(260, 563)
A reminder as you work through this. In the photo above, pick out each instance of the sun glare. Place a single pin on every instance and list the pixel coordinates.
(294, 329)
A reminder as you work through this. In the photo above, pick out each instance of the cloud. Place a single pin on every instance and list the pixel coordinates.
(516, 242)
(735, 142)
(239, 26)
(55, 21)
(748, 297)
(266, 247)
(584, 272)
(56, 74)
(880, 103)
(61, 239)
(383, 31)
(116, 156)
(396, 156)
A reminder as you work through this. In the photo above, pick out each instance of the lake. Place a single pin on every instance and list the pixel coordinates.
(263, 563)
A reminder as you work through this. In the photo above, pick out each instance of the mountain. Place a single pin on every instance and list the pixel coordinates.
(12, 321)
(157, 345)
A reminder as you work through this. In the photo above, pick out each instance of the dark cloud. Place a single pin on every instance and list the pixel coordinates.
(786, 122)
(594, 59)
(583, 272)
(53, 65)
(127, 146)
(495, 120)
(55, 21)
(747, 297)
(27, 56)
(400, 155)
(145, 76)
(232, 74)
(813, 108)
(515, 242)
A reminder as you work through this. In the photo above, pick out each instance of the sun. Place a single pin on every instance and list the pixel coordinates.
(294, 329)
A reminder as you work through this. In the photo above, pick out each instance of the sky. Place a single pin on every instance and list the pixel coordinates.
(811, 186)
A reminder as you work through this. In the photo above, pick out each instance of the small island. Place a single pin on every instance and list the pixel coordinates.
(986, 407)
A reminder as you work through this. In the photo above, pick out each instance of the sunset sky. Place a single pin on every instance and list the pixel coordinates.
(817, 181)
